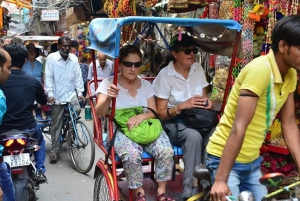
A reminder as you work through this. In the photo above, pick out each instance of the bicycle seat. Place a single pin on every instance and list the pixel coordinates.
(201, 172)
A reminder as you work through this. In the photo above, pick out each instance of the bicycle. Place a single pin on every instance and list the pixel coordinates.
(270, 180)
(80, 143)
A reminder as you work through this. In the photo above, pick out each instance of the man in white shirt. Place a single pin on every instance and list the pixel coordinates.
(62, 79)
(104, 66)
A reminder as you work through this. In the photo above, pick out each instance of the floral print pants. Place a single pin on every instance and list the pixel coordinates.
(131, 156)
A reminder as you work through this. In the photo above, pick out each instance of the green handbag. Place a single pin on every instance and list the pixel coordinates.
(145, 133)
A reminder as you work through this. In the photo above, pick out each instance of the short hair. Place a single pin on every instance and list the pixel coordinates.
(61, 39)
(129, 49)
(3, 59)
(75, 44)
(53, 47)
(18, 54)
(287, 29)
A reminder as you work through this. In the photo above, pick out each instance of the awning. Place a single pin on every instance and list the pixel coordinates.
(21, 4)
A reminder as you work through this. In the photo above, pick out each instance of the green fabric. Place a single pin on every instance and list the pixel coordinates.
(146, 132)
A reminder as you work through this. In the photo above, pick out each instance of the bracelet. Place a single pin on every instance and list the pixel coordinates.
(169, 113)
(176, 110)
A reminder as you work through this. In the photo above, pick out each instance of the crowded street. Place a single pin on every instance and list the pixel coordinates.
(149, 100)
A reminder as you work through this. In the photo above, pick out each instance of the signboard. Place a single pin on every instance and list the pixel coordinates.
(62, 24)
(50, 15)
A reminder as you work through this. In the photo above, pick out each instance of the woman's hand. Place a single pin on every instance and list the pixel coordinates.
(112, 91)
(135, 121)
(198, 101)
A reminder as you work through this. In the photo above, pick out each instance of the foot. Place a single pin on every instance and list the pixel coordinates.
(140, 197)
(164, 197)
(53, 157)
(41, 178)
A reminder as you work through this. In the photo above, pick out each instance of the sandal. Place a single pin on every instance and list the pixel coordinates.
(53, 157)
(140, 197)
(164, 197)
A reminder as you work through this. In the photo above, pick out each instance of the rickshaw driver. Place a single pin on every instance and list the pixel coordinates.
(63, 80)
(233, 150)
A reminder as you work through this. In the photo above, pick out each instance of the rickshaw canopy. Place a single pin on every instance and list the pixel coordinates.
(105, 33)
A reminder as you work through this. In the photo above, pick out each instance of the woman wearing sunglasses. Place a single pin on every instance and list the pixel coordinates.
(181, 85)
(132, 91)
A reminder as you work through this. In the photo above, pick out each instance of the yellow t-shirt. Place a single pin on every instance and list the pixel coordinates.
(262, 77)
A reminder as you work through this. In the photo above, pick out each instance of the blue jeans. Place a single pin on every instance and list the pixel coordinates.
(242, 177)
(6, 183)
(39, 156)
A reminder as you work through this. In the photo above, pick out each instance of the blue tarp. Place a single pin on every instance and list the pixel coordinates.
(105, 33)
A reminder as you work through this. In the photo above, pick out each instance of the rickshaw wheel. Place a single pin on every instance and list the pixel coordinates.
(103, 190)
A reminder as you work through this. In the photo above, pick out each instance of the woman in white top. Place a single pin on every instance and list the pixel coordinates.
(131, 91)
(181, 85)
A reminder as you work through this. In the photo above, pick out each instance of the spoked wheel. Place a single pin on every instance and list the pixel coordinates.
(102, 188)
(81, 148)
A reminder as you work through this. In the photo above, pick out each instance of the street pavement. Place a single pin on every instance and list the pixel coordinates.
(64, 182)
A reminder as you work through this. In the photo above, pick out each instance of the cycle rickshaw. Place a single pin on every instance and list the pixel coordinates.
(220, 37)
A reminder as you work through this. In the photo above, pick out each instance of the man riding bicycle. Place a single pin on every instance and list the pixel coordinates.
(63, 80)
(263, 88)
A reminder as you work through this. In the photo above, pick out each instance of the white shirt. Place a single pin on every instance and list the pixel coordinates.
(63, 77)
(107, 71)
(124, 99)
(171, 85)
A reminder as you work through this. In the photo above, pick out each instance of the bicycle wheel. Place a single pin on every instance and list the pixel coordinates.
(102, 189)
(81, 147)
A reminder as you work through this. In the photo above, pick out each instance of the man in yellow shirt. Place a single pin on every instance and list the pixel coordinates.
(263, 88)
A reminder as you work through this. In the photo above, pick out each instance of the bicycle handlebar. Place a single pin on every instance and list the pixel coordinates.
(286, 188)
(55, 102)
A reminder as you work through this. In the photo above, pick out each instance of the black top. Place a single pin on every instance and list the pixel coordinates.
(21, 90)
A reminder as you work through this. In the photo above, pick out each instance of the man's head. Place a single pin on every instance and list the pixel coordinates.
(102, 59)
(64, 46)
(5, 63)
(18, 54)
(53, 47)
(288, 30)
(32, 51)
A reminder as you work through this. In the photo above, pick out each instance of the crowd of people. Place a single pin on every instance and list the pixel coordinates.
(230, 151)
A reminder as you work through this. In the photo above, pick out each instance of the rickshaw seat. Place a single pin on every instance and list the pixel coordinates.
(177, 152)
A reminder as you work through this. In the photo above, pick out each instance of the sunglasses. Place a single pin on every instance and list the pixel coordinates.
(129, 64)
(188, 51)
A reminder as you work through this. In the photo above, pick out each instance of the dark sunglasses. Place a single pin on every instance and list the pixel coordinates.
(129, 64)
(188, 51)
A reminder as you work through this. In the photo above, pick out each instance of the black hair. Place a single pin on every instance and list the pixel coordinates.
(287, 29)
(2, 41)
(2, 59)
(18, 54)
(61, 39)
(168, 58)
(53, 47)
(75, 44)
(129, 49)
